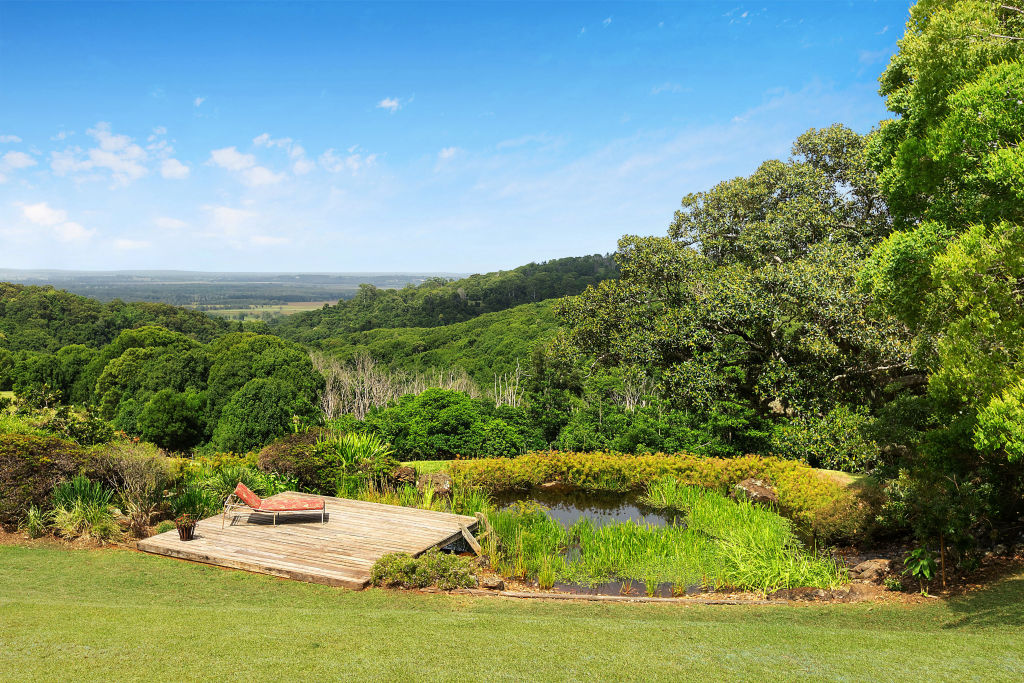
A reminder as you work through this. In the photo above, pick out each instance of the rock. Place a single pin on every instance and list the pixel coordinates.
(439, 481)
(404, 475)
(756, 491)
(492, 583)
(871, 570)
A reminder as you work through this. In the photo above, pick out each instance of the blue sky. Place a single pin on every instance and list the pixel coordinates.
(400, 137)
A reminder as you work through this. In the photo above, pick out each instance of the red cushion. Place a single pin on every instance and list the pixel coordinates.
(292, 504)
(247, 496)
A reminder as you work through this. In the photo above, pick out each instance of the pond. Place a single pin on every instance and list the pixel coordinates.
(570, 506)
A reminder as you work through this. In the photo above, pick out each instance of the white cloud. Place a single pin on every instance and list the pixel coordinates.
(302, 166)
(245, 164)
(198, 101)
(352, 162)
(231, 159)
(72, 232)
(392, 104)
(264, 140)
(261, 175)
(447, 153)
(607, 21)
(172, 169)
(12, 161)
(5, 139)
(62, 135)
(127, 245)
(117, 154)
(168, 223)
(159, 130)
(42, 214)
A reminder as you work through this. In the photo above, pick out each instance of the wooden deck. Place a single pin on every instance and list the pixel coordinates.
(338, 553)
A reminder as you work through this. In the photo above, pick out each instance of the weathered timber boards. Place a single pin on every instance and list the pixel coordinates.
(340, 552)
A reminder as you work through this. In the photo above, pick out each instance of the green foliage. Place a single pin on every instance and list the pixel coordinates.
(46, 319)
(259, 412)
(722, 544)
(433, 568)
(439, 302)
(839, 440)
(173, 420)
(36, 522)
(817, 504)
(486, 346)
(81, 508)
(441, 424)
(30, 467)
(749, 303)
(194, 501)
(920, 564)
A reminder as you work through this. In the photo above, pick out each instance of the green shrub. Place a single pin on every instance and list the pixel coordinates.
(432, 568)
(321, 461)
(838, 440)
(139, 473)
(81, 508)
(30, 467)
(193, 501)
(36, 522)
(164, 526)
(815, 502)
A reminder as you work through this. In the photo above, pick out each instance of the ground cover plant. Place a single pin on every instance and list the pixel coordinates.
(325, 634)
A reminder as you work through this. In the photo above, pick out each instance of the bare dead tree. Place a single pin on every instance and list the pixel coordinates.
(506, 388)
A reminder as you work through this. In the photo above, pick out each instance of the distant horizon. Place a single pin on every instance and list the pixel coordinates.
(401, 137)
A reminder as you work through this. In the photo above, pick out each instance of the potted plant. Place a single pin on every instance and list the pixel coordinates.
(186, 526)
(190, 505)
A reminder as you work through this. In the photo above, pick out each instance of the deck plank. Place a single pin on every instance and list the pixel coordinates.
(340, 552)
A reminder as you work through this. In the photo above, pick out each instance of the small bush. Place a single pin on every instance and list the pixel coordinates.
(36, 522)
(30, 467)
(164, 526)
(193, 501)
(320, 461)
(432, 568)
(81, 508)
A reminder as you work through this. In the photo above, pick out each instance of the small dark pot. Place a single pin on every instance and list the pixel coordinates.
(187, 533)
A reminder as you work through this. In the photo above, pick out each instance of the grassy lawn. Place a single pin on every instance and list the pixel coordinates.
(428, 466)
(122, 615)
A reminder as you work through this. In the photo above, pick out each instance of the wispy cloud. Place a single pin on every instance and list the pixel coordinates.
(245, 165)
(607, 21)
(447, 153)
(168, 223)
(352, 161)
(198, 101)
(392, 104)
(13, 161)
(8, 139)
(116, 155)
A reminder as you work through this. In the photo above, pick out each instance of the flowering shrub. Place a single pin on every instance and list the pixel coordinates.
(818, 504)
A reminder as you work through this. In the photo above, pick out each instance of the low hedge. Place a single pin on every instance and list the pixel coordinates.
(30, 466)
(817, 503)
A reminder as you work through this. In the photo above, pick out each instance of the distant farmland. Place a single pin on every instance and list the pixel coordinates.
(266, 311)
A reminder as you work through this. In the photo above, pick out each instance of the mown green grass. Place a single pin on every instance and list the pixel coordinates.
(115, 615)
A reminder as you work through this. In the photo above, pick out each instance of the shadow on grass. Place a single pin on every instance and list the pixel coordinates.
(1001, 605)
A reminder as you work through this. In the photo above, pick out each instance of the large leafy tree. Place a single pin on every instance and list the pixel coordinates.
(952, 169)
(750, 299)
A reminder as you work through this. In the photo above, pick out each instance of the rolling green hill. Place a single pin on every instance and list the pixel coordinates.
(439, 302)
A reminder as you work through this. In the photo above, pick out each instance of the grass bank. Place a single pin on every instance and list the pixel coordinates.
(119, 615)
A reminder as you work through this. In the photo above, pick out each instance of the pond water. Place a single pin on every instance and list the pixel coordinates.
(568, 507)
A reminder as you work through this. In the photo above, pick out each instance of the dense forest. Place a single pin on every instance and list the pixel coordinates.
(443, 302)
(856, 306)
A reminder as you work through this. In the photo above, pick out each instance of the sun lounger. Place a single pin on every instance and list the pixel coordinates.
(243, 497)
